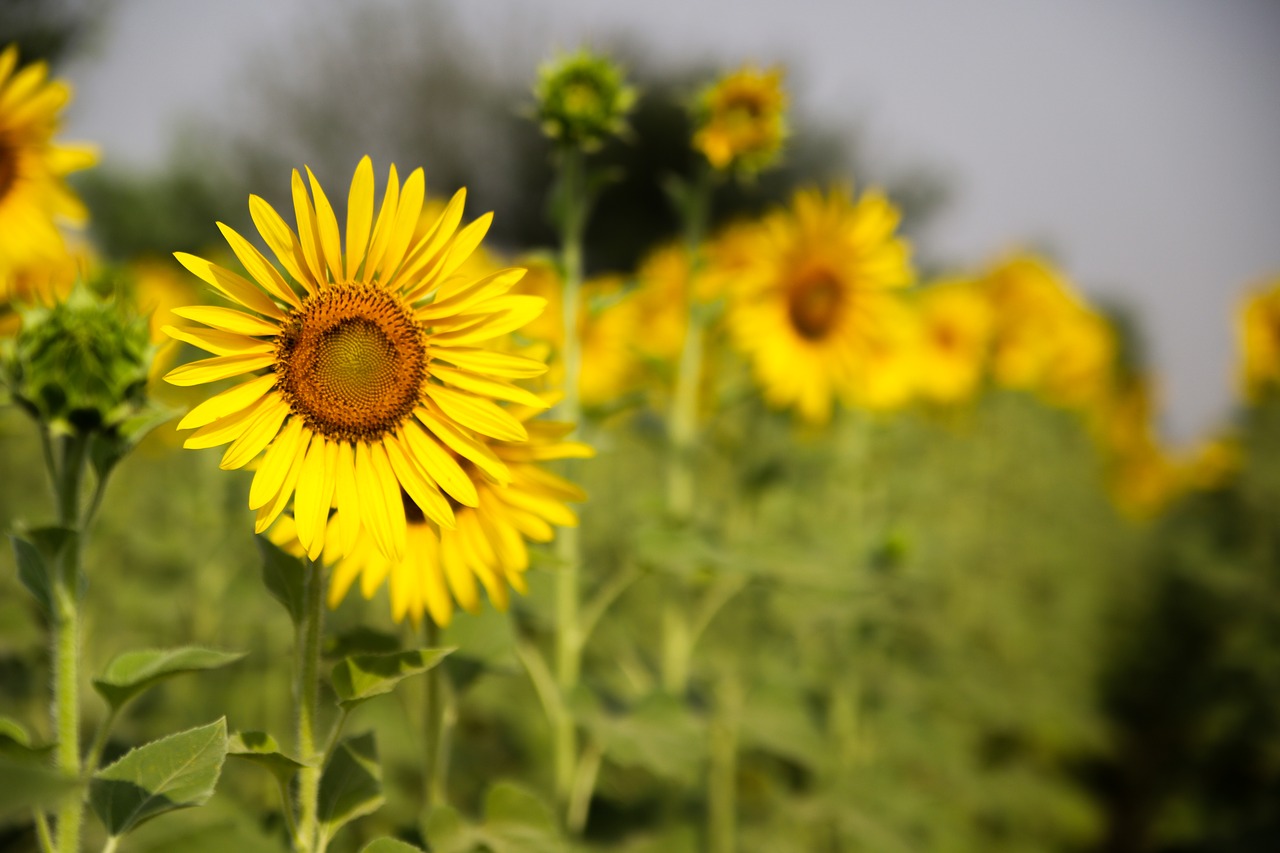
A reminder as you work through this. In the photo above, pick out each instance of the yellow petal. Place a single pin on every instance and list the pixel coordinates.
(272, 509)
(330, 240)
(407, 214)
(219, 367)
(308, 230)
(282, 241)
(229, 320)
(516, 312)
(464, 445)
(271, 474)
(234, 287)
(255, 439)
(391, 498)
(438, 464)
(483, 416)
(314, 495)
(219, 342)
(231, 400)
(225, 430)
(487, 387)
(359, 215)
(421, 490)
(490, 362)
(347, 498)
(262, 270)
(486, 288)
(382, 229)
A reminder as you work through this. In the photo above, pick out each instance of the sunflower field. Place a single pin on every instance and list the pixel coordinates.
(686, 509)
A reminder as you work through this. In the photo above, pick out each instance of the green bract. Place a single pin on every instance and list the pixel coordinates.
(80, 365)
(583, 99)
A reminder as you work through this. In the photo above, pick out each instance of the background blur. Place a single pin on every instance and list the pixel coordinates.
(941, 633)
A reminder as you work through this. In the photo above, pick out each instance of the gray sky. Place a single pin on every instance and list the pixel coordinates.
(1140, 140)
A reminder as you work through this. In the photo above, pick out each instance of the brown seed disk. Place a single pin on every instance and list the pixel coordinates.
(8, 166)
(813, 305)
(352, 362)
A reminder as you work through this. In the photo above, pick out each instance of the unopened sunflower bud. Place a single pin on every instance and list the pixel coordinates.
(740, 121)
(583, 100)
(81, 364)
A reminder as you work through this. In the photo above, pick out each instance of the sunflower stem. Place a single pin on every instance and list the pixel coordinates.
(307, 696)
(573, 214)
(433, 781)
(722, 794)
(66, 638)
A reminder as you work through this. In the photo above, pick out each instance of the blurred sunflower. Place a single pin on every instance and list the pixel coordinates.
(608, 328)
(741, 122)
(1045, 339)
(441, 565)
(955, 329)
(1141, 475)
(1258, 329)
(812, 306)
(34, 197)
(372, 368)
(43, 281)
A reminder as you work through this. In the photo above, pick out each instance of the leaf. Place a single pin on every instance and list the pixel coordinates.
(360, 641)
(362, 677)
(658, 733)
(262, 749)
(175, 772)
(444, 829)
(390, 845)
(39, 554)
(16, 744)
(285, 576)
(351, 784)
(25, 784)
(518, 821)
(131, 673)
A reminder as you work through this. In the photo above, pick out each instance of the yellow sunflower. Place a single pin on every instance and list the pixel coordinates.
(42, 282)
(741, 120)
(1258, 329)
(955, 330)
(364, 378)
(813, 306)
(1141, 476)
(441, 565)
(34, 197)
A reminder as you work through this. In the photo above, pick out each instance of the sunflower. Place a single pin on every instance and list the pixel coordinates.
(741, 120)
(441, 565)
(1258, 328)
(955, 329)
(362, 377)
(34, 197)
(812, 306)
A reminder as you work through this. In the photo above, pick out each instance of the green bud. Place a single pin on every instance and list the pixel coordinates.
(80, 365)
(582, 100)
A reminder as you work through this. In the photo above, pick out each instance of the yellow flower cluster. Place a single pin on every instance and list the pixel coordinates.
(741, 120)
(1258, 330)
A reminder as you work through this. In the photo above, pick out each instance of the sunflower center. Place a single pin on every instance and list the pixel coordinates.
(813, 305)
(8, 166)
(946, 337)
(352, 362)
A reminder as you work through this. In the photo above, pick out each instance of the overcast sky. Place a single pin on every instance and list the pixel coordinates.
(1141, 140)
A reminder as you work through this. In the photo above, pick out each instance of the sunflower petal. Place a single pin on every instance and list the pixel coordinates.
(229, 320)
(359, 215)
(216, 368)
(476, 413)
(232, 400)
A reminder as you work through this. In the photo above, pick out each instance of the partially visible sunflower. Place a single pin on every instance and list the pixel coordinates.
(441, 565)
(34, 198)
(42, 282)
(368, 374)
(812, 307)
(1141, 475)
(1045, 339)
(741, 120)
(1258, 331)
(955, 330)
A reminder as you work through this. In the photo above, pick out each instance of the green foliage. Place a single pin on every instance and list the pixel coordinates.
(176, 772)
(515, 821)
(583, 100)
(26, 784)
(42, 555)
(262, 749)
(284, 575)
(351, 784)
(362, 677)
(389, 845)
(131, 673)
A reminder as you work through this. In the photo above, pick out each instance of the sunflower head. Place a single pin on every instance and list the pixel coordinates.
(741, 121)
(34, 198)
(583, 100)
(1258, 331)
(955, 329)
(81, 364)
(811, 303)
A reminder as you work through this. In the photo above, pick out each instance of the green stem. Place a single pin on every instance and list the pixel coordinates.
(568, 579)
(584, 785)
(307, 696)
(43, 835)
(94, 755)
(433, 781)
(722, 794)
(66, 640)
(112, 843)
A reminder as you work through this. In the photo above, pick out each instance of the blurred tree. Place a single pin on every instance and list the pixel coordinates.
(50, 29)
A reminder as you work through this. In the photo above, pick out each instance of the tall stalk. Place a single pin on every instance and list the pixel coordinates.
(307, 698)
(573, 200)
(434, 763)
(67, 476)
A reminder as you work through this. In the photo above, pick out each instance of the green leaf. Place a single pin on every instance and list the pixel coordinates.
(25, 784)
(40, 554)
(445, 830)
(16, 744)
(518, 821)
(658, 733)
(262, 749)
(360, 641)
(351, 784)
(390, 845)
(285, 576)
(362, 677)
(131, 673)
(175, 772)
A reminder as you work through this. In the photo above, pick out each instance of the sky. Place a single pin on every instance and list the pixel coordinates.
(1139, 141)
